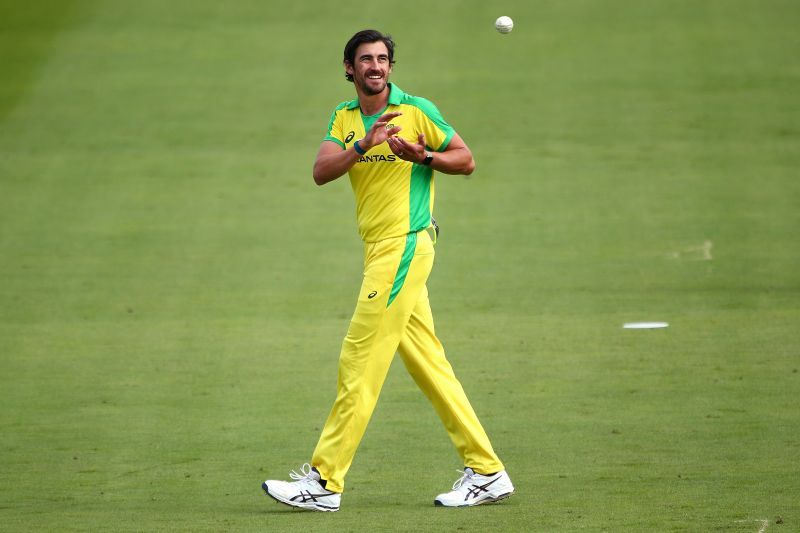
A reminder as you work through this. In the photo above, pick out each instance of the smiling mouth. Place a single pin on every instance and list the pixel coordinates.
(374, 77)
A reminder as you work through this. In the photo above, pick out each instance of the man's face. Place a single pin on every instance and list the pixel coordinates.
(371, 68)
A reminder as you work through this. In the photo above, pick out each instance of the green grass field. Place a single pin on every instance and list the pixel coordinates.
(175, 288)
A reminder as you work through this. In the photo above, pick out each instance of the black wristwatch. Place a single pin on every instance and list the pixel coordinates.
(428, 158)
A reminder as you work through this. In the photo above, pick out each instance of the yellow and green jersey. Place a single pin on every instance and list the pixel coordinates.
(393, 197)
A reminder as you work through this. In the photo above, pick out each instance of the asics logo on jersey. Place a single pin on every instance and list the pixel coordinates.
(372, 295)
(377, 158)
(349, 137)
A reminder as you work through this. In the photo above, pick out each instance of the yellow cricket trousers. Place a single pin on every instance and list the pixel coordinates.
(393, 314)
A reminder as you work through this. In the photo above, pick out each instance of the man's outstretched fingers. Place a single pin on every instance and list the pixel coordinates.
(383, 120)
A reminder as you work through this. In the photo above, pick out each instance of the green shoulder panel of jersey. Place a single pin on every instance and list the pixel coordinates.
(329, 136)
(430, 110)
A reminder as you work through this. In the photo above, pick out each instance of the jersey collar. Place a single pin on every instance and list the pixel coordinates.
(395, 96)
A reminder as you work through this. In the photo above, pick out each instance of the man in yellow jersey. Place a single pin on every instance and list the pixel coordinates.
(389, 143)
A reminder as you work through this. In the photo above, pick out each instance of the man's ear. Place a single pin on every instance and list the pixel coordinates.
(348, 68)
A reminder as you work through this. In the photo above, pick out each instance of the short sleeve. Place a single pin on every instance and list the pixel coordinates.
(335, 128)
(436, 129)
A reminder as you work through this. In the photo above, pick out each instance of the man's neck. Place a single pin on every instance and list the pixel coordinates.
(375, 103)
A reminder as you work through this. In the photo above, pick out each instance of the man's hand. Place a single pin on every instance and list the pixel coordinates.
(407, 151)
(378, 133)
(455, 159)
(333, 161)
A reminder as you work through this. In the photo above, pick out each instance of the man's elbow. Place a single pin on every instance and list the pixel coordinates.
(319, 178)
(469, 168)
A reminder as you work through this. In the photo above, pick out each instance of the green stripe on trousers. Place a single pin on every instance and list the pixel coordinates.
(402, 269)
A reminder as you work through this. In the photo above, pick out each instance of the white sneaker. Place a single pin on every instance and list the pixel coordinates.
(305, 492)
(475, 489)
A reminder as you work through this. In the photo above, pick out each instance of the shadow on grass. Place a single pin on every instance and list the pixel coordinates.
(28, 31)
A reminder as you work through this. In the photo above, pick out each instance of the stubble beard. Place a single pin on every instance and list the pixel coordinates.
(363, 83)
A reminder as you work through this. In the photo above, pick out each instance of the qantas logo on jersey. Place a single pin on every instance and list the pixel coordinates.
(377, 158)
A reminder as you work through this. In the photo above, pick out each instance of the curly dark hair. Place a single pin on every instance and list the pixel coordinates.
(366, 36)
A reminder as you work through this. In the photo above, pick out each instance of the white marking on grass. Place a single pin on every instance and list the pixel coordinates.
(764, 523)
(706, 250)
(700, 252)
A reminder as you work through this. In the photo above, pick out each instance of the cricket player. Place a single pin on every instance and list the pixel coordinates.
(389, 143)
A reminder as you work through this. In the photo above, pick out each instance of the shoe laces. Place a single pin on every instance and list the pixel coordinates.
(304, 474)
(466, 475)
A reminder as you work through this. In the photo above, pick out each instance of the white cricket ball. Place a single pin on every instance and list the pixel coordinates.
(504, 24)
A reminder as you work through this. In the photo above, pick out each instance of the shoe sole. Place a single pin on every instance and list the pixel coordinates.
(299, 505)
(437, 503)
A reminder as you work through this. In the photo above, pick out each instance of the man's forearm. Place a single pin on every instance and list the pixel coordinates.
(457, 161)
(331, 166)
